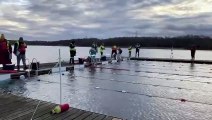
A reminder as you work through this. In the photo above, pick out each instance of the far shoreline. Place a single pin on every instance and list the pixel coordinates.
(166, 48)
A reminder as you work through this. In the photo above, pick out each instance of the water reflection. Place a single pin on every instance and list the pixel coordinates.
(71, 75)
(92, 71)
(192, 66)
(100, 90)
(17, 86)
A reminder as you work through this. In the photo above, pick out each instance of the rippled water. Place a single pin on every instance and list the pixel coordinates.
(130, 89)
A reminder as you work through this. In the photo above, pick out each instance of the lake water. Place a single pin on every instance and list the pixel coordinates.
(46, 54)
(136, 90)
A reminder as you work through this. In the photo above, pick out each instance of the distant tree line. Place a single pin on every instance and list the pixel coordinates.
(182, 42)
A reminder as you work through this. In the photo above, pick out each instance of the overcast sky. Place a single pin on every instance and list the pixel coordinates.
(66, 19)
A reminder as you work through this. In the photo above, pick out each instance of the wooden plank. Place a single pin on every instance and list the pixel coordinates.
(72, 110)
(108, 118)
(46, 115)
(39, 110)
(15, 105)
(83, 116)
(12, 112)
(71, 117)
(20, 108)
(100, 117)
(93, 116)
(111, 118)
(69, 113)
(24, 111)
(44, 111)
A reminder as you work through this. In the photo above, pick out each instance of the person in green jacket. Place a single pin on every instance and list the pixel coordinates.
(72, 52)
(102, 48)
(130, 51)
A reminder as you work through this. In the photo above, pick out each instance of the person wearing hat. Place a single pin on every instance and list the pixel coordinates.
(20, 51)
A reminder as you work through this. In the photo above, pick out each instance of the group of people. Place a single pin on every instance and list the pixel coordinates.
(6, 51)
(20, 51)
(116, 52)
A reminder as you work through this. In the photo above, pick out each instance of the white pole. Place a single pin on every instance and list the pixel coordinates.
(60, 78)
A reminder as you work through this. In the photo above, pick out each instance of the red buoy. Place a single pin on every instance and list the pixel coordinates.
(60, 109)
(64, 107)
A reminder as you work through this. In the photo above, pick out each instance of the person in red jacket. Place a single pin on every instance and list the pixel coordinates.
(5, 51)
(20, 52)
(114, 52)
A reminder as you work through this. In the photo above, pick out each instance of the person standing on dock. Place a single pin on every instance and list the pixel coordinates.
(119, 54)
(72, 52)
(5, 51)
(102, 48)
(93, 53)
(193, 51)
(137, 49)
(130, 51)
(114, 52)
(20, 51)
(95, 46)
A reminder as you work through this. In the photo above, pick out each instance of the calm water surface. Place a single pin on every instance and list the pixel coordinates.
(46, 54)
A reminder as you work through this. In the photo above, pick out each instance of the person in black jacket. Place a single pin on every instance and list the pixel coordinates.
(193, 51)
(137, 49)
(72, 52)
(119, 57)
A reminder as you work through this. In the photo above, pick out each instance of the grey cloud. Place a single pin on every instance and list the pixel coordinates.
(189, 29)
(99, 18)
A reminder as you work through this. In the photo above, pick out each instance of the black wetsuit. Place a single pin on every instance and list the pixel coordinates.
(72, 53)
(137, 50)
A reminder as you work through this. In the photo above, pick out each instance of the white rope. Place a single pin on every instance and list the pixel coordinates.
(53, 67)
(40, 100)
(60, 78)
(35, 109)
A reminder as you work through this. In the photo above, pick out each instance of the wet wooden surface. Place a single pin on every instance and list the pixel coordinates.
(19, 108)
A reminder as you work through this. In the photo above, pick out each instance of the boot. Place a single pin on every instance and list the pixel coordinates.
(18, 67)
(25, 67)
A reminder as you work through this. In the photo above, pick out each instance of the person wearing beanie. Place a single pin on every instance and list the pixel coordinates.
(20, 51)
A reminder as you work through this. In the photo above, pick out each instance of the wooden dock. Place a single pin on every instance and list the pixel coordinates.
(19, 108)
(45, 68)
(174, 60)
